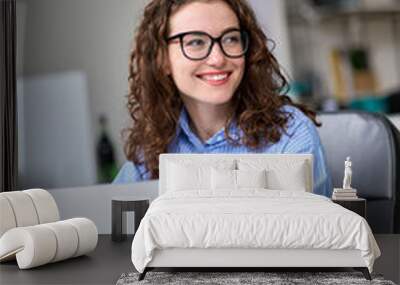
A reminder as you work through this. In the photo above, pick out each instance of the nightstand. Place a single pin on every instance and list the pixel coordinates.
(121, 205)
(358, 205)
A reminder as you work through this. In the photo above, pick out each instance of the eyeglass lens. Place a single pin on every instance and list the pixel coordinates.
(197, 45)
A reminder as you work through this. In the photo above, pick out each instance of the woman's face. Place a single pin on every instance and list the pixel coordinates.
(212, 80)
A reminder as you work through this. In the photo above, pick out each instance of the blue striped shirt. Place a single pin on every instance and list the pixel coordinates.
(301, 137)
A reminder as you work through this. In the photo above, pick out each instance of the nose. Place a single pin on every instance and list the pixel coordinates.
(216, 57)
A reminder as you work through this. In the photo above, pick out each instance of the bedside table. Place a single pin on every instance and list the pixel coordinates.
(358, 205)
(121, 205)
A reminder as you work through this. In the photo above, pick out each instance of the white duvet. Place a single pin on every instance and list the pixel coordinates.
(250, 219)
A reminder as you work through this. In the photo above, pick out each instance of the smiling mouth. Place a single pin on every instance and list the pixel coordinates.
(215, 79)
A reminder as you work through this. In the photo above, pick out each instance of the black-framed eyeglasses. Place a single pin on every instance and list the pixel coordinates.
(197, 45)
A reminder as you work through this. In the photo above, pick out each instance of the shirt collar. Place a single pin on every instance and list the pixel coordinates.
(218, 137)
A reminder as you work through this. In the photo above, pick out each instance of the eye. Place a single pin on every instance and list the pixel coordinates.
(195, 43)
(231, 39)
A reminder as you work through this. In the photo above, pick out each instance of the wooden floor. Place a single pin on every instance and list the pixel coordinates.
(111, 259)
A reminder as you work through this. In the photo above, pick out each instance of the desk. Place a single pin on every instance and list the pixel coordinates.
(110, 259)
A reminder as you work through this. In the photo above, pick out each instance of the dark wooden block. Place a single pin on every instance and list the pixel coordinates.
(358, 206)
(120, 206)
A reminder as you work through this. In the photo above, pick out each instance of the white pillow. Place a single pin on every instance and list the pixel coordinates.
(291, 179)
(281, 174)
(251, 178)
(191, 172)
(181, 177)
(225, 179)
(188, 174)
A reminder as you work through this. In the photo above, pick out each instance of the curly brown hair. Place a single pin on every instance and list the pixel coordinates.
(154, 104)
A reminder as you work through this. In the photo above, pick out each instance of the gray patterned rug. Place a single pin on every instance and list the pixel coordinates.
(243, 278)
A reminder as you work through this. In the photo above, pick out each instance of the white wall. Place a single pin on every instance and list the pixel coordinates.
(54, 118)
(271, 15)
(94, 202)
(90, 36)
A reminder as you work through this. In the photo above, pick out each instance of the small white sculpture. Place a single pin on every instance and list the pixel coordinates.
(347, 174)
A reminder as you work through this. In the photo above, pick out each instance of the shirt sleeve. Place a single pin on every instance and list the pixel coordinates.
(129, 173)
(304, 138)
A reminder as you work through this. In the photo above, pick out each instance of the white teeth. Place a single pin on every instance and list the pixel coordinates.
(215, 77)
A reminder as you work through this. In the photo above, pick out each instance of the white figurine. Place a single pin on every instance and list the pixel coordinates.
(347, 174)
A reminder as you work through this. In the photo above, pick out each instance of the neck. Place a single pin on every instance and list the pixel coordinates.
(207, 119)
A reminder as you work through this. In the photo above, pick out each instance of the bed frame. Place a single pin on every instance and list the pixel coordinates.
(248, 259)
(242, 259)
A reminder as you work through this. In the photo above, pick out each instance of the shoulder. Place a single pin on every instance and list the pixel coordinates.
(296, 116)
(129, 173)
(298, 120)
(301, 130)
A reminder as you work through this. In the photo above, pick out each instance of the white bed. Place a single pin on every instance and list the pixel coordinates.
(229, 218)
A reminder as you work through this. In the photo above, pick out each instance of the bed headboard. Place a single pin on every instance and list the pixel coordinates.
(235, 159)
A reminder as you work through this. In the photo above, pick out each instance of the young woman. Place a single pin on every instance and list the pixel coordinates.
(202, 80)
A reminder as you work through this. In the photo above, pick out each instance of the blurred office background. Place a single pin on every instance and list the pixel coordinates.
(72, 68)
(345, 53)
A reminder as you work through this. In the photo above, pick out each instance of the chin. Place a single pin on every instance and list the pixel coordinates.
(216, 100)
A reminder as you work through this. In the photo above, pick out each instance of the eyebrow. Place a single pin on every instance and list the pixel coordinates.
(196, 31)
